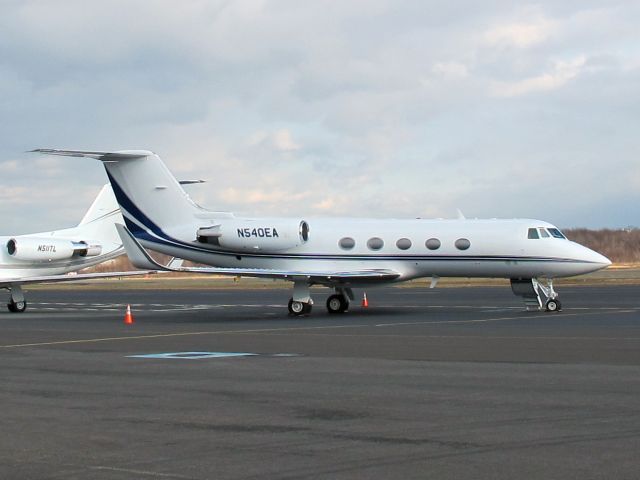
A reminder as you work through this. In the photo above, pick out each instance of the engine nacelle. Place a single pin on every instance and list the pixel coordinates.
(88, 249)
(264, 235)
(47, 249)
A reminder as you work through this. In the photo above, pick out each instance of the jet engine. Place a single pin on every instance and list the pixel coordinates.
(47, 249)
(264, 235)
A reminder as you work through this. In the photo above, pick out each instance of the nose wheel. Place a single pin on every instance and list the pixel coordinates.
(337, 304)
(553, 305)
(537, 294)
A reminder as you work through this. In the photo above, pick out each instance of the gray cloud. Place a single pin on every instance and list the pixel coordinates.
(376, 107)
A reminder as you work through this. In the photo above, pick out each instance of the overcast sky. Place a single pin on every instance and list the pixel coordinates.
(381, 108)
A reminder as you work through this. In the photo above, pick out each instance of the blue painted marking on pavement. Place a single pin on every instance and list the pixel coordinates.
(194, 355)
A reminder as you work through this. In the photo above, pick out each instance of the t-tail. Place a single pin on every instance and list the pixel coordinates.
(150, 197)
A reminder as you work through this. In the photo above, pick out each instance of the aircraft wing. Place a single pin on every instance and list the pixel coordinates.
(8, 282)
(141, 259)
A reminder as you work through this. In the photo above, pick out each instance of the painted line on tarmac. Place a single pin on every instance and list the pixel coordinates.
(529, 315)
(155, 308)
(280, 329)
(477, 337)
(168, 335)
(193, 355)
(142, 472)
(199, 307)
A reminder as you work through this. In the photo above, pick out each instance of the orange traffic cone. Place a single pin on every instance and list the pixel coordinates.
(365, 302)
(128, 318)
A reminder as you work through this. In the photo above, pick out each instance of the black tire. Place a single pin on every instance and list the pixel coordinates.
(337, 304)
(17, 307)
(553, 305)
(298, 308)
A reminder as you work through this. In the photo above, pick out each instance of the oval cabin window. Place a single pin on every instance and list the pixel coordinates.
(432, 244)
(403, 244)
(304, 231)
(462, 244)
(347, 243)
(375, 243)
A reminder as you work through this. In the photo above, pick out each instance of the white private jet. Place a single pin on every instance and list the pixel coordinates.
(48, 256)
(338, 253)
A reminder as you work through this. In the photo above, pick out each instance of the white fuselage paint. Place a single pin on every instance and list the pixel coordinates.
(161, 216)
(11, 268)
(498, 248)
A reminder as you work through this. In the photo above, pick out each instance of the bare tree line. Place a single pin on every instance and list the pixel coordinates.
(620, 246)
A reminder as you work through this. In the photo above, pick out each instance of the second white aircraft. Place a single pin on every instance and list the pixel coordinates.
(340, 253)
(48, 257)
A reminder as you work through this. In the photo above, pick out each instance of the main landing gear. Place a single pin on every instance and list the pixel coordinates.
(17, 303)
(300, 308)
(537, 294)
(337, 303)
(302, 304)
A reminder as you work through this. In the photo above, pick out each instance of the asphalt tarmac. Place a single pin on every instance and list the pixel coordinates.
(445, 383)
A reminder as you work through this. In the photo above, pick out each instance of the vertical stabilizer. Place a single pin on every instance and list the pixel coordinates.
(151, 199)
(104, 204)
(99, 221)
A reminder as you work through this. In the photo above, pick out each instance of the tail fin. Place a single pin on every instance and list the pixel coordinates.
(99, 221)
(104, 204)
(150, 197)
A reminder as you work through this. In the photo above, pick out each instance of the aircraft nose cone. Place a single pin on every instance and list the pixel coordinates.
(597, 259)
(601, 259)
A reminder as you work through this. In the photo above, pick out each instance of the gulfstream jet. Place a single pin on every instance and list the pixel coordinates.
(340, 253)
(48, 256)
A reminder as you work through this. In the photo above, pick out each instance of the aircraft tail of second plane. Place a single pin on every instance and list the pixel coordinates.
(100, 218)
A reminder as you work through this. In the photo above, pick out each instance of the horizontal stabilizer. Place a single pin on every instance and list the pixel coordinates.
(103, 156)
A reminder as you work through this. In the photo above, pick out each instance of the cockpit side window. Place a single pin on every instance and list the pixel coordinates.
(556, 233)
(533, 233)
(543, 232)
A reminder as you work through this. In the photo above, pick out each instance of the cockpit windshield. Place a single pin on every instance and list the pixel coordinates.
(542, 232)
(556, 233)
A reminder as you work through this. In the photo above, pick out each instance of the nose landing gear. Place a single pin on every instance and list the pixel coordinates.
(553, 305)
(537, 294)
